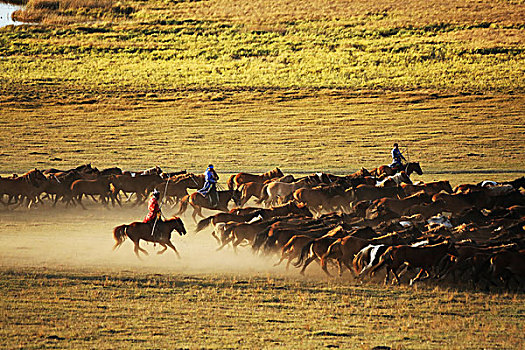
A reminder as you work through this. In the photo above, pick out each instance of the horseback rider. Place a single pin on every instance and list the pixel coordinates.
(210, 185)
(397, 158)
(154, 214)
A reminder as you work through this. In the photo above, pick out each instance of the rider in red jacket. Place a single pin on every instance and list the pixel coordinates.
(153, 207)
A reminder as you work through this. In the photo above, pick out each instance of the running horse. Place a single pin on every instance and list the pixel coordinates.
(198, 201)
(241, 178)
(139, 230)
(385, 170)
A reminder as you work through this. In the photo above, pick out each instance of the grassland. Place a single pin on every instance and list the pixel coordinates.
(332, 133)
(251, 85)
(96, 309)
(161, 46)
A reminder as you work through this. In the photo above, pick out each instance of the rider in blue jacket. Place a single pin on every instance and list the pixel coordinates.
(397, 157)
(210, 185)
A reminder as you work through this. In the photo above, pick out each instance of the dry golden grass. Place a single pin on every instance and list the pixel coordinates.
(254, 132)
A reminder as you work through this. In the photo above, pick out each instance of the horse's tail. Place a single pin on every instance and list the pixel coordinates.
(304, 253)
(201, 225)
(264, 194)
(183, 205)
(119, 233)
(357, 262)
(231, 182)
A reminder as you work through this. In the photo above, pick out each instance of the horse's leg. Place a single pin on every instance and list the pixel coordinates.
(306, 263)
(163, 250)
(215, 236)
(194, 214)
(236, 243)
(225, 242)
(340, 265)
(395, 276)
(283, 256)
(55, 201)
(169, 244)
(325, 269)
(413, 280)
(79, 200)
(138, 248)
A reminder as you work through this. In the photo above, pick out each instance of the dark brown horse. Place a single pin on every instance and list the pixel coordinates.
(409, 168)
(27, 186)
(237, 180)
(425, 258)
(175, 188)
(139, 230)
(99, 186)
(198, 201)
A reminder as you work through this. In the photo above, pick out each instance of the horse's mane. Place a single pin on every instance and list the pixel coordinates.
(273, 173)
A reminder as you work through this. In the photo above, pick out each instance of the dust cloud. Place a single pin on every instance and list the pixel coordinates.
(71, 238)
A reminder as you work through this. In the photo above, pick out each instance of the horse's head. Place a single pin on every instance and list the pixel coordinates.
(414, 167)
(36, 177)
(236, 197)
(277, 173)
(178, 225)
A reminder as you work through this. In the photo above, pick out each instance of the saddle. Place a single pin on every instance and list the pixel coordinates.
(397, 167)
(212, 197)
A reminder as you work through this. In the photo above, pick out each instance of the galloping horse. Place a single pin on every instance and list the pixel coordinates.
(241, 178)
(138, 230)
(175, 188)
(409, 168)
(27, 186)
(198, 201)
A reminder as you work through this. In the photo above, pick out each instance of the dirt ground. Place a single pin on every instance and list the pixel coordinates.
(83, 239)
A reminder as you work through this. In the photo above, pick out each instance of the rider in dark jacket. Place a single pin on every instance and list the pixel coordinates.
(397, 157)
(210, 185)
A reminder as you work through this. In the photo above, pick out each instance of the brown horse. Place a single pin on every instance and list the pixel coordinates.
(409, 168)
(139, 230)
(241, 178)
(508, 265)
(398, 206)
(249, 190)
(175, 188)
(27, 186)
(198, 201)
(316, 249)
(99, 186)
(318, 198)
(425, 258)
(431, 188)
(137, 184)
(237, 232)
(344, 249)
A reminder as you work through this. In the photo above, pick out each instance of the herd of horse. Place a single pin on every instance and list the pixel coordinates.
(363, 223)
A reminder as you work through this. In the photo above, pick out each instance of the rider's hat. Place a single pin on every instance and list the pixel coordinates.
(156, 193)
(210, 166)
(395, 144)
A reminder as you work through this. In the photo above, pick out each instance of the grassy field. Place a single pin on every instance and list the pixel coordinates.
(96, 309)
(90, 48)
(329, 133)
(251, 85)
